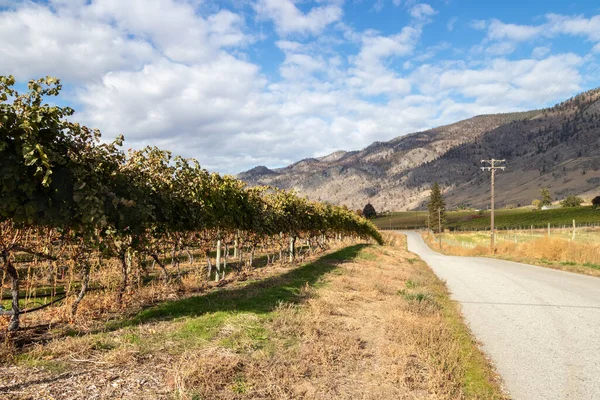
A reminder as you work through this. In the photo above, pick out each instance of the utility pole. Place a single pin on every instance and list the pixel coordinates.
(493, 166)
(440, 226)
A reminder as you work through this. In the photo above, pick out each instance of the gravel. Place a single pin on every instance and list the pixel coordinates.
(540, 327)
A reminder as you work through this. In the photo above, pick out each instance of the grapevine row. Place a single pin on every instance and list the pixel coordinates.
(64, 193)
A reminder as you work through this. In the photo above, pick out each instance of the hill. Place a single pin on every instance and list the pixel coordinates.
(555, 147)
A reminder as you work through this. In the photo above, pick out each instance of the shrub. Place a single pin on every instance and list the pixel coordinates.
(369, 211)
(572, 201)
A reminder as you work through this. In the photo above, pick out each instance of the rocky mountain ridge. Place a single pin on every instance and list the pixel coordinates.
(556, 148)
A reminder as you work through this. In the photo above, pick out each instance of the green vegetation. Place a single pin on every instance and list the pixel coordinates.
(290, 330)
(560, 250)
(572, 201)
(257, 297)
(68, 198)
(505, 219)
(437, 209)
(546, 198)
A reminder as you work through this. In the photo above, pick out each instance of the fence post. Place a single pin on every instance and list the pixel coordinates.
(548, 229)
(573, 229)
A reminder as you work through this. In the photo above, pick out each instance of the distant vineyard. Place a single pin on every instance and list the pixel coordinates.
(505, 219)
(68, 199)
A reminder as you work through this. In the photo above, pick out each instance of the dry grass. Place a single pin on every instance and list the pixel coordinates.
(145, 289)
(377, 325)
(553, 252)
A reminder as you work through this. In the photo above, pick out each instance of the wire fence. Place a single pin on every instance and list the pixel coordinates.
(470, 238)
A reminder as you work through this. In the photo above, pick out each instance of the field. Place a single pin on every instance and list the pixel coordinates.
(520, 218)
(560, 250)
(364, 321)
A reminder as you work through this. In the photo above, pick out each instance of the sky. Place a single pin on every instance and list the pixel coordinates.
(241, 83)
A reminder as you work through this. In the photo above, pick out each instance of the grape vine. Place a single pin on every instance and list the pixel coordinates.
(66, 195)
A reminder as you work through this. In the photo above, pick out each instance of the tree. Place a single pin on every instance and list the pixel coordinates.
(596, 202)
(369, 211)
(536, 203)
(437, 208)
(546, 198)
(572, 201)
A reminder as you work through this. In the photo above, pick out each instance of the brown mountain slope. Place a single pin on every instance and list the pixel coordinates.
(556, 148)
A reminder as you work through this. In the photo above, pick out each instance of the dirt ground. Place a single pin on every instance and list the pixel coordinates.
(366, 322)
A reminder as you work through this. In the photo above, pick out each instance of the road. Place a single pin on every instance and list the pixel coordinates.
(540, 327)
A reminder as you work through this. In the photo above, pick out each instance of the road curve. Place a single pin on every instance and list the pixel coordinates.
(541, 327)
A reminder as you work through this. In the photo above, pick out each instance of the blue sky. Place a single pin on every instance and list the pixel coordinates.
(240, 83)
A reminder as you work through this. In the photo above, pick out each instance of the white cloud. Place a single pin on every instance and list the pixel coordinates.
(289, 19)
(501, 31)
(451, 23)
(37, 42)
(82, 41)
(377, 47)
(555, 25)
(500, 49)
(519, 82)
(540, 52)
(182, 108)
(370, 75)
(300, 66)
(172, 26)
(226, 29)
(478, 24)
(287, 45)
(177, 74)
(575, 25)
(378, 5)
(407, 3)
(422, 11)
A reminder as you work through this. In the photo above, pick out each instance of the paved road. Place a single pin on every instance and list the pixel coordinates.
(541, 327)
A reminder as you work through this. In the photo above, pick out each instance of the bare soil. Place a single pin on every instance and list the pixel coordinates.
(367, 322)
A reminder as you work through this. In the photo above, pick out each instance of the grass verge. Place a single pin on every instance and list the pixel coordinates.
(366, 322)
(551, 252)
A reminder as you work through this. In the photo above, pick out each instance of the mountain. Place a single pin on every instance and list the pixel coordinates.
(557, 148)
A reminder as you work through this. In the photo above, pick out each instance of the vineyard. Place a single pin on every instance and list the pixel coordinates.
(506, 219)
(78, 214)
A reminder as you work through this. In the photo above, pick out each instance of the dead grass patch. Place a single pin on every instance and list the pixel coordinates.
(556, 253)
(377, 325)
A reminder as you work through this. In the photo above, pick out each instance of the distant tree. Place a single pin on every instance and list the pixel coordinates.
(462, 206)
(369, 211)
(436, 202)
(546, 198)
(359, 212)
(536, 203)
(572, 201)
(596, 202)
